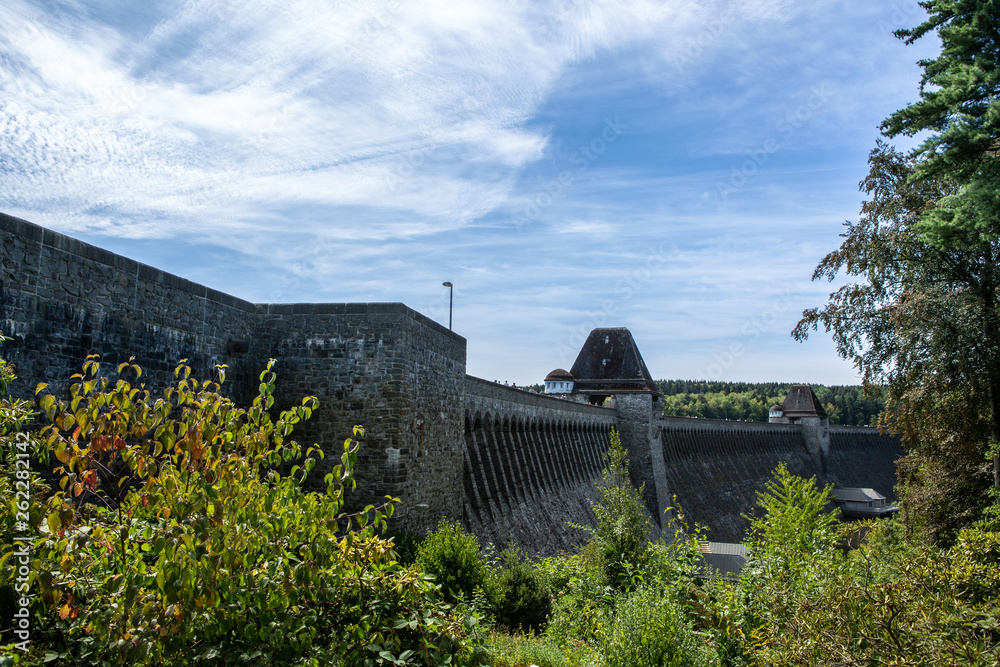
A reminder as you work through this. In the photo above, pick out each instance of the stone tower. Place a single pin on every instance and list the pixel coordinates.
(609, 364)
(802, 407)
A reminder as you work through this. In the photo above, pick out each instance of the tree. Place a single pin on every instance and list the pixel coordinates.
(918, 323)
(960, 107)
(790, 547)
(623, 527)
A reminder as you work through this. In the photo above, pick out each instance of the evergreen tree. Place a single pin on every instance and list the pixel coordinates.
(960, 106)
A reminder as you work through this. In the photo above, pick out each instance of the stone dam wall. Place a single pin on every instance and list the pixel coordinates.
(390, 369)
(715, 468)
(382, 365)
(510, 464)
(531, 462)
(861, 457)
(61, 300)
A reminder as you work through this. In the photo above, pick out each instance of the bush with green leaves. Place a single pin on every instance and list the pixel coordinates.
(650, 629)
(517, 593)
(582, 600)
(791, 547)
(623, 527)
(940, 607)
(204, 552)
(453, 557)
(519, 650)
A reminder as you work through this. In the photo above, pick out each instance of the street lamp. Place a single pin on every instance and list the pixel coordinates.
(451, 300)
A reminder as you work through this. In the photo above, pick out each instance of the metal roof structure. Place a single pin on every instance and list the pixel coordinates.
(856, 495)
(609, 363)
(802, 402)
(724, 559)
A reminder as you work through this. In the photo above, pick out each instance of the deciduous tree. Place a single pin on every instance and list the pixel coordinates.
(917, 321)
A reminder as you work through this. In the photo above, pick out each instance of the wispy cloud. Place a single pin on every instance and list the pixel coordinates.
(360, 150)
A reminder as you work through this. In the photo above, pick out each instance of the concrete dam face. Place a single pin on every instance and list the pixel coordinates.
(510, 464)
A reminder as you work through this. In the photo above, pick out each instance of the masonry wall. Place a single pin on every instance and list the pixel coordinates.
(862, 457)
(531, 462)
(392, 370)
(716, 467)
(383, 366)
(61, 299)
(641, 439)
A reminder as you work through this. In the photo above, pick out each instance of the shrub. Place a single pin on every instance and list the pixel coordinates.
(205, 552)
(452, 556)
(623, 528)
(650, 630)
(517, 593)
(792, 548)
(581, 598)
(524, 650)
(942, 609)
(405, 544)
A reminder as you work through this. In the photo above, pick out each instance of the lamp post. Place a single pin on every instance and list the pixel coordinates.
(451, 300)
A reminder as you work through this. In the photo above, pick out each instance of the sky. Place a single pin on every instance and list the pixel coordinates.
(678, 168)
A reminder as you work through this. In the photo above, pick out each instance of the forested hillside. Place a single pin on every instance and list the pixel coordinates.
(751, 401)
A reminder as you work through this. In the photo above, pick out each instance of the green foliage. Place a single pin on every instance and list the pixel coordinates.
(922, 322)
(200, 551)
(524, 650)
(790, 547)
(582, 599)
(958, 108)
(623, 528)
(751, 401)
(517, 593)
(938, 607)
(405, 544)
(889, 601)
(650, 630)
(943, 485)
(795, 521)
(452, 556)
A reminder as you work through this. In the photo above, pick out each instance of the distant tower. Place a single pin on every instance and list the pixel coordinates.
(559, 381)
(609, 365)
(802, 407)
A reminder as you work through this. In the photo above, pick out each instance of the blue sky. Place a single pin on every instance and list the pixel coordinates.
(678, 168)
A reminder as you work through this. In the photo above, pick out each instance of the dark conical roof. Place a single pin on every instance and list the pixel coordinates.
(609, 362)
(802, 402)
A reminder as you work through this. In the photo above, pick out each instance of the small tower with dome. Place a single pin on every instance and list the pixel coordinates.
(559, 381)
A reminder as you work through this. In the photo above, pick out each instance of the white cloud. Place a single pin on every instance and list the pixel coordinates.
(356, 150)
